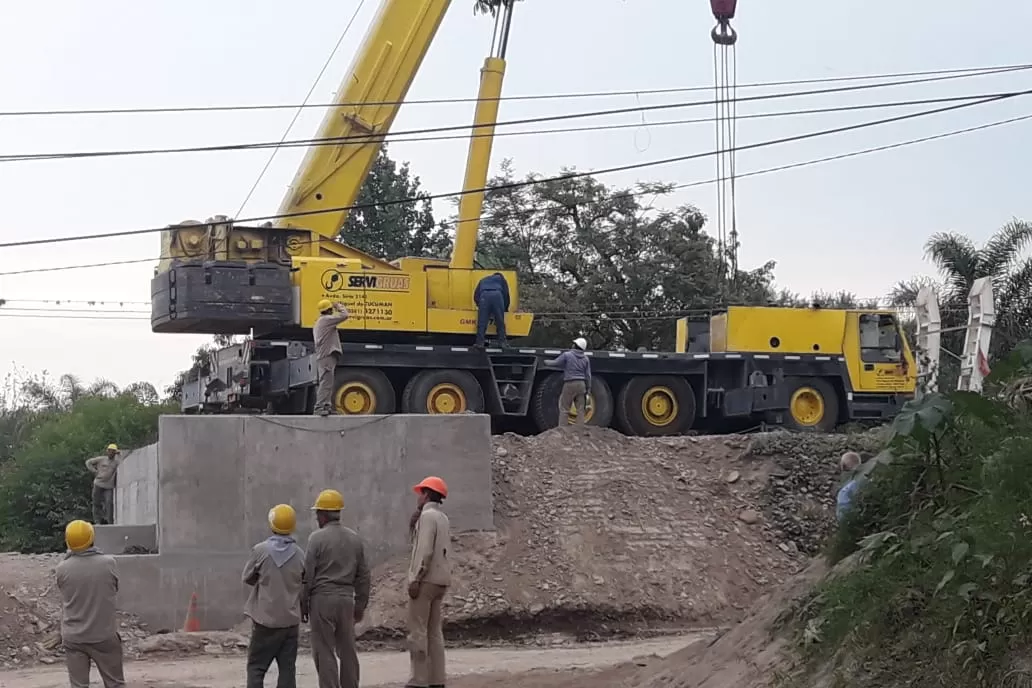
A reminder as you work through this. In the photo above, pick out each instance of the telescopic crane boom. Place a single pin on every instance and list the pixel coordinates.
(219, 277)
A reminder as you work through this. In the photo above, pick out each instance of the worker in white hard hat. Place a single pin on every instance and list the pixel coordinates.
(576, 368)
(104, 469)
(275, 571)
(327, 352)
(88, 581)
(336, 593)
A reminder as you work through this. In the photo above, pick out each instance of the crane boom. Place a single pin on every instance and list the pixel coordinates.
(331, 176)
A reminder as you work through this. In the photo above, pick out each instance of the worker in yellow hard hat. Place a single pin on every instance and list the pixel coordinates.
(327, 352)
(104, 469)
(88, 581)
(275, 571)
(429, 576)
(336, 593)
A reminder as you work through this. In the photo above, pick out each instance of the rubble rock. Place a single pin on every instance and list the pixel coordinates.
(594, 524)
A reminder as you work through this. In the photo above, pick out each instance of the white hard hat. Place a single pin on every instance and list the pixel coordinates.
(581, 343)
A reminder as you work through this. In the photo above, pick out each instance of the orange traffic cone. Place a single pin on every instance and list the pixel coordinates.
(192, 623)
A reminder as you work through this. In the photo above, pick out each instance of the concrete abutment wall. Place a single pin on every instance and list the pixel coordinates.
(216, 477)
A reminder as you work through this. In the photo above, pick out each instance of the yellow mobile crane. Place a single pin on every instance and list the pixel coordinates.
(407, 344)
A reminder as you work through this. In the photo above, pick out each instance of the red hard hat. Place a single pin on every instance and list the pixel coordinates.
(432, 482)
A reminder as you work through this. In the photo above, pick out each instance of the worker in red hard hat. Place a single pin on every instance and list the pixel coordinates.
(428, 579)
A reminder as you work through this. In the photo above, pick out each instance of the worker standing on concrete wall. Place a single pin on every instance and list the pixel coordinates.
(88, 581)
(336, 592)
(428, 579)
(327, 352)
(576, 381)
(104, 469)
(275, 573)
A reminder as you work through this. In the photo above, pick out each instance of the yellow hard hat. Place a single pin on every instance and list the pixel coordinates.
(112, 447)
(282, 519)
(328, 500)
(78, 535)
(325, 305)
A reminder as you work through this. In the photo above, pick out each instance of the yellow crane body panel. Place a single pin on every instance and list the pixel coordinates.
(761, 329)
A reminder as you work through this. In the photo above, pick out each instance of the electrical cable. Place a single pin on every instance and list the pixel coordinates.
(675, 187)
(300, 109)
(378, 138)
(998, 69)
(533, 182)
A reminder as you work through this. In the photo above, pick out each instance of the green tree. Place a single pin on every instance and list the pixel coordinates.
(397, 230)
(1003, 258)
(45, 484)
(594, 261)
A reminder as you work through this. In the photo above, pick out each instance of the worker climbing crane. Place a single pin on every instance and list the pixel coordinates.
(725, 80)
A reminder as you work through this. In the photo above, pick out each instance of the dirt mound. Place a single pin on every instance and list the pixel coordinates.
(601, 534)
(30, 612)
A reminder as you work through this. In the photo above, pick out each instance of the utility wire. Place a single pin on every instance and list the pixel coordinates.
(999, 69)
(534, 182)
(300, 109)
(539, 209)
(367, 138)
(390, 138)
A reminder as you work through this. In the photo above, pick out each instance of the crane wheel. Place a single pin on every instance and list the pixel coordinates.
(443, 392)
(813, 405)
(655, 406)
(544, 404)
(362, 392)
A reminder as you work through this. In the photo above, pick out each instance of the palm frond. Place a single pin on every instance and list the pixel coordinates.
(1004, 248)
(957, 259)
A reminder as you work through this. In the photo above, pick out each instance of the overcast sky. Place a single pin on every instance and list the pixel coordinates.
(857, 224)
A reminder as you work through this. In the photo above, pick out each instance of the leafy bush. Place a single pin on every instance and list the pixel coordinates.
(45, 484)
(939, 592)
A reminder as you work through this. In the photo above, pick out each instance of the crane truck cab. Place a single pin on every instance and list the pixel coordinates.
(838, 365)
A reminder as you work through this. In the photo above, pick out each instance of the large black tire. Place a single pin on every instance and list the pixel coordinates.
(656, 406)
(544, 403)
(443, 391)
(813, 405)
(362, 392)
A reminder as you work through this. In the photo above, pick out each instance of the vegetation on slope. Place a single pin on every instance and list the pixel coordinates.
(938, 589)
(47, 432)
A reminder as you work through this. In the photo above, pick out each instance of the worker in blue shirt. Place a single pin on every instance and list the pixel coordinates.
(846, 498)
(492, 299)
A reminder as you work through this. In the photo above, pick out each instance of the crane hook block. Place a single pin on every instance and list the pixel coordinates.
(724, 10)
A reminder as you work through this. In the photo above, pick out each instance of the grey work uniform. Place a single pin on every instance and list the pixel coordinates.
(104, 469)
(429, 566)
(275, 572)
(327, 354)
(88, 582)
(336, 589)
(576, 382)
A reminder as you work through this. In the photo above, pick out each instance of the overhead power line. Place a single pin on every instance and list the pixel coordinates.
(300, 109)
(999, 69)
(366, 138)
(532, 182)
(394, 138)
(755, 173)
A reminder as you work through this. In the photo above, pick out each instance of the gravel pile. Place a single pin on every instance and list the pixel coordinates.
(799, 498)
(598, 530)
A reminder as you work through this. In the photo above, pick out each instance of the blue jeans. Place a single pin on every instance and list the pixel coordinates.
(491, 307)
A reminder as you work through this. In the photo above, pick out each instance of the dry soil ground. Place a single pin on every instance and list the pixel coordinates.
(511, 668)
(625, 537)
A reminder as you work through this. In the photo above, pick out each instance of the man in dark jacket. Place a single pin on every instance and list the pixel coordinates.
(576, 381)
(492, 299)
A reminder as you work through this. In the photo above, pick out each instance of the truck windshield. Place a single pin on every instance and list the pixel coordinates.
(879, 339)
